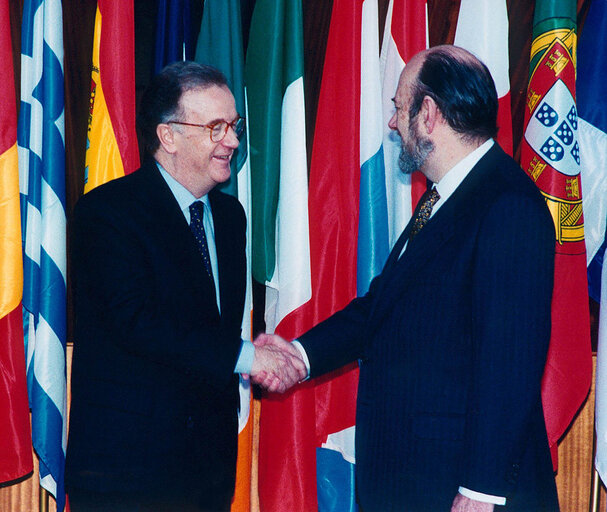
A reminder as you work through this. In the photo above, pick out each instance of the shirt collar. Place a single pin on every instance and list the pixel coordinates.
(182, 195)
(450, 181)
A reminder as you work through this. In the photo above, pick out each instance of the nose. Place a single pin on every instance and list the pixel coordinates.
(231, 140)
(392, 122)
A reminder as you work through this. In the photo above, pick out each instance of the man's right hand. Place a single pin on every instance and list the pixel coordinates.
(277, 365)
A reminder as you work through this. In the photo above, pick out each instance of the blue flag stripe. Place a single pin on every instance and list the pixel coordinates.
(373, 245)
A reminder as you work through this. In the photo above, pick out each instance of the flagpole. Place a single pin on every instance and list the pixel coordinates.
(43, 496)
(594, 493)
(595, 481)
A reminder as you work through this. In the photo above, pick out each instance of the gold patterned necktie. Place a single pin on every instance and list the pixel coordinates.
(427, 202)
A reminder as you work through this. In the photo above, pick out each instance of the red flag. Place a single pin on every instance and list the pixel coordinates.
(293, 426)
(15, 434)
(550, 155)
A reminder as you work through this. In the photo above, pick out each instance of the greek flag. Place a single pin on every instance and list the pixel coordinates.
(41, 148)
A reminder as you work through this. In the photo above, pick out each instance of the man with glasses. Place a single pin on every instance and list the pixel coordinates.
(159, 277)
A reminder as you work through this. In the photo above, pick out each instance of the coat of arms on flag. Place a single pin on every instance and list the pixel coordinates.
(551, 138)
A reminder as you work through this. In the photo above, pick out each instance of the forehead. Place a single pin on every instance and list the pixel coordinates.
(208, 104)
(407, 78)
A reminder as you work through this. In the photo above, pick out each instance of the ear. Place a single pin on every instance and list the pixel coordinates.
(166, 136)
(430, 115)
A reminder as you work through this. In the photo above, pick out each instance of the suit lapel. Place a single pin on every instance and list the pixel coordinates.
(224, 247)
(156, 197)
(449, 221)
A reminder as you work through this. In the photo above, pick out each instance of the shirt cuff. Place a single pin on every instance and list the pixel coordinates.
(244, 364)
(479, 496)
(304, 356)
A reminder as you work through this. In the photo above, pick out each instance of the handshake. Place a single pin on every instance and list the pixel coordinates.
(278, 364)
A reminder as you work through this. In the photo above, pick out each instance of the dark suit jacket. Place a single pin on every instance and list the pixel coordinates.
(154, 394)
(452, 339)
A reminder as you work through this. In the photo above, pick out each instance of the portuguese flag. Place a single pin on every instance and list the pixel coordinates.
(550, 155)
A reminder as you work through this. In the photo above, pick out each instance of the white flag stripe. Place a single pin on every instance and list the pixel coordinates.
(593, 151)
(482, 29)
(53, 221)
(291, 286)
(34, 229)
(53, 31)
(49, 362)
(371, 124)
(601, 384)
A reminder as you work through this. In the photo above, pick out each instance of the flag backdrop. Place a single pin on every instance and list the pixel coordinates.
(42, 187)
(550, 155)
(295, 425)
(15, 437)
(405, 34)
(482, 28)
(112, 141)
(220, 45)
(592, 107)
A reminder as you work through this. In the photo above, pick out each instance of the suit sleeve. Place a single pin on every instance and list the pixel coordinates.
(511, 299)
(341, 338)
(117, 293)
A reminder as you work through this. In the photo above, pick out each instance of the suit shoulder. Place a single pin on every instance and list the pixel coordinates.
(220, 201)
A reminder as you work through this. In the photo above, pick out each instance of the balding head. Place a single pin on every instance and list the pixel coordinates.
(462, 88)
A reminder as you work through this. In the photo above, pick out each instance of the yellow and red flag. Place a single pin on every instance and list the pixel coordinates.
(112, 140)
(15, 434)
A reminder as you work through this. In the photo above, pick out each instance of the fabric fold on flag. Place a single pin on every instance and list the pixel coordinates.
(15, 435)
(550, 155)
(42, 187)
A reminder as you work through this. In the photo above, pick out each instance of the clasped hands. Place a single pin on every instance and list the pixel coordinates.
(277, 365)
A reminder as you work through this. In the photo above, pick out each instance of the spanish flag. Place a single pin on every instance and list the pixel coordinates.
(15, 435)
(112, 140)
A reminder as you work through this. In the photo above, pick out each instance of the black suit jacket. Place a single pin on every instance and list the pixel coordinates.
(154, 394)
(452, 339)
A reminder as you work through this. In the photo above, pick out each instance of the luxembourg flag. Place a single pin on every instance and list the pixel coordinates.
(405, 34)
(482, 29)
(373, 242)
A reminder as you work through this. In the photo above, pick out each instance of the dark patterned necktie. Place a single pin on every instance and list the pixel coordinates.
(197, 227)
(427, 202)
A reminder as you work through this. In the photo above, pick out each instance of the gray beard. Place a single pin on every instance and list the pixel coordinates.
(410, 161)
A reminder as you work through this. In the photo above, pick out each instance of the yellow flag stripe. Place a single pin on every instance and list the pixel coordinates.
(11, 264)
(103, 159)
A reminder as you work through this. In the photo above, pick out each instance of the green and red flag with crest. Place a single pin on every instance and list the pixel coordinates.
(550, 155)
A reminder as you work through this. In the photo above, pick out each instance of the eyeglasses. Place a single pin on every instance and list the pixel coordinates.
(219, 129)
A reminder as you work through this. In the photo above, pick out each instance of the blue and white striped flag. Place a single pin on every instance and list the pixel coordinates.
(41, 144)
